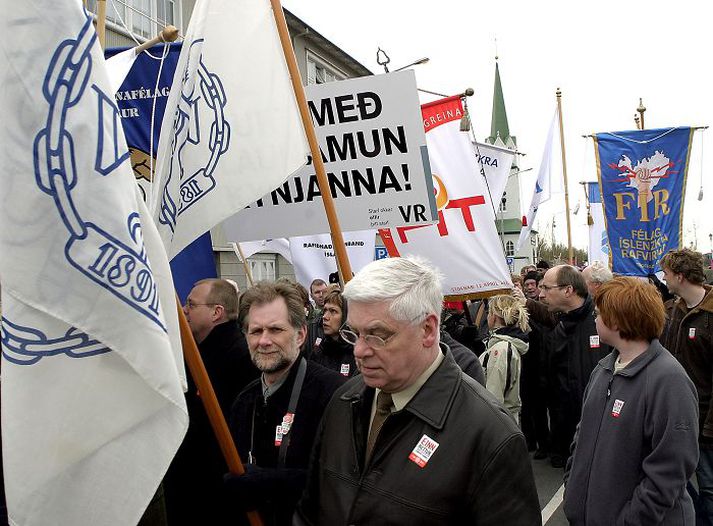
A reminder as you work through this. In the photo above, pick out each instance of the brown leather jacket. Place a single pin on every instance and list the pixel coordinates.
(688, 335)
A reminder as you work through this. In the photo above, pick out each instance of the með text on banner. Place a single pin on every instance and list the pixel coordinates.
(373, 146)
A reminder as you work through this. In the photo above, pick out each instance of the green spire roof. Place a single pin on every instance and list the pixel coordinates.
(499, 120)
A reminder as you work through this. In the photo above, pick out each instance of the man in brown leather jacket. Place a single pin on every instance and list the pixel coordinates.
(688, 335)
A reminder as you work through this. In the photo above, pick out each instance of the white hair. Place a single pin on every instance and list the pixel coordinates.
(599, 272)
(411, 284)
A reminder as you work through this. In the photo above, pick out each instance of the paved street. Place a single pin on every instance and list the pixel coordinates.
(549, 484)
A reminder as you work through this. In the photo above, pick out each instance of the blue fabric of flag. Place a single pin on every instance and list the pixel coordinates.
(595, 195)
(135, 101)
(642, 175)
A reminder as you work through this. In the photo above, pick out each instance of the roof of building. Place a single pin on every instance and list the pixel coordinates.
(299, 27)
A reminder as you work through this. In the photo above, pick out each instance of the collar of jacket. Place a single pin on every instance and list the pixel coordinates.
(706, 303)
(432, 402)
(580, 312)
(637, 364)
(222, 332)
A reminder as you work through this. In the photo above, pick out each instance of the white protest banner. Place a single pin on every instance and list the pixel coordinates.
(92, 407)
(313, 256)
(279, 246)
(373, 145)
(464, 244)
(231, 130)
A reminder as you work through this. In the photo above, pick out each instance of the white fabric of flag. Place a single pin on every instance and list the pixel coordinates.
(464, 243)
(598, 240)
(231, 131)
(545, 184)
(118, 67)
(92, 406)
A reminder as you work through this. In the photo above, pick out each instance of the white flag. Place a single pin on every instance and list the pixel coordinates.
(118, 67)
(231, 131)
(598, 240)
(464, 243)
(92, 407)
(544, 185)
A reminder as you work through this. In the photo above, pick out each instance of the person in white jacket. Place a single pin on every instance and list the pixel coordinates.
(508, 323)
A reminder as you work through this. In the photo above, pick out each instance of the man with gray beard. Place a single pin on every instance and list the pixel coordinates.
(274, 420)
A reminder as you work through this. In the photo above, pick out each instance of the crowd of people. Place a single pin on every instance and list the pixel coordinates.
(378, 403)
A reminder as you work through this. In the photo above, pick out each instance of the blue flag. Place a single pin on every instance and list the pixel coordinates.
(642, 175)
(135, 100)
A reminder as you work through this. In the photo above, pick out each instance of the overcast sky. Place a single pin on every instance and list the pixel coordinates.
(603, 55)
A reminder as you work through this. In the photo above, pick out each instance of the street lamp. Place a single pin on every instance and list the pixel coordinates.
(383, 60)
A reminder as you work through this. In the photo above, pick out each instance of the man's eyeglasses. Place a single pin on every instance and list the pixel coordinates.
(548, 288)
(191, 304)
(372, 340)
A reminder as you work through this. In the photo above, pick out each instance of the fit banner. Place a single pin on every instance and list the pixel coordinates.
(642, 175)
(464, 243)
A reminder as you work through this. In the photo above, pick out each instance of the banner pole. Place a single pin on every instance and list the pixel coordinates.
(210, 403)
(101, 22)
(168, 34)
(570, 251)
(340, 250)
(239, 252)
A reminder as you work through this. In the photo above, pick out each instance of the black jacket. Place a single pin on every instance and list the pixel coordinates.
(335, 354)
(575, 350)
(466, 359)
(253, 423)
(479, 472)
(195, 478)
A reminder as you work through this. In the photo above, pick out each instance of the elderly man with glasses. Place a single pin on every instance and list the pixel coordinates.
(567, 309)
(413, 440)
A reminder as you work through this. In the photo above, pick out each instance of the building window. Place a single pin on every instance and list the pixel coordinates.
(144, 18)
(320, 71)
(509, 249)
(262, 268)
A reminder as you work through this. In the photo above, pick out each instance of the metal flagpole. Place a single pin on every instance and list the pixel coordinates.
(570, 251)
(340, 250)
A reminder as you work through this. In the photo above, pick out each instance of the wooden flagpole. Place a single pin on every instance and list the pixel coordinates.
(340, 250)
(210, 403)
(101, 22)
(168, 34)
(570, 251)
(239, 252)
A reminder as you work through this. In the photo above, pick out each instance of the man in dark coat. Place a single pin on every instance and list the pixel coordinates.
(412, 440)
(194, 482)
(568, 311)
(274, 420)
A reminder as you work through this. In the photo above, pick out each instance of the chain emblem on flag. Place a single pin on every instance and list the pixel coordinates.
(122, 269)
(27, 346)
(195, 184)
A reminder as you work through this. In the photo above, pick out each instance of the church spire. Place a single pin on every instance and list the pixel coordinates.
(499, 120)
